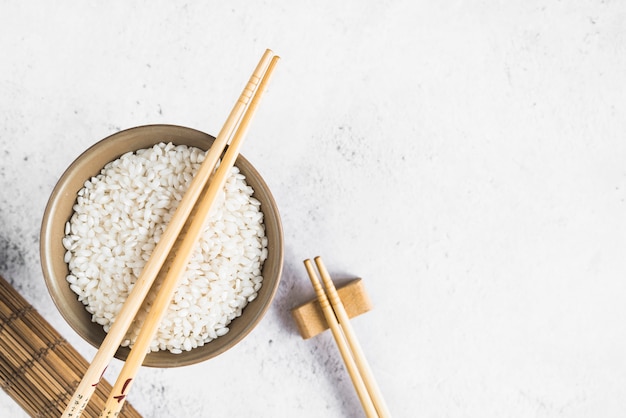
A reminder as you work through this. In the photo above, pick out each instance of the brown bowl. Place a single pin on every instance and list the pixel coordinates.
(60, 209)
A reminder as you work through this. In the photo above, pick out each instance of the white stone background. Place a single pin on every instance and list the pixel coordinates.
(466, 159)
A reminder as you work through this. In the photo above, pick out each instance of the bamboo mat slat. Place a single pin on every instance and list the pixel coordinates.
(38, 368)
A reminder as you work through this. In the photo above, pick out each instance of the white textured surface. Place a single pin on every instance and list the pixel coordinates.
(467, 161)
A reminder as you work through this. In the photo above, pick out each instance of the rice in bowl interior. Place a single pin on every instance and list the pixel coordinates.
(118, 216)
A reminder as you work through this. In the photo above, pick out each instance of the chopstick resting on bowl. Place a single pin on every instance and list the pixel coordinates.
(183, 255)
(240, 115)
(360, 373)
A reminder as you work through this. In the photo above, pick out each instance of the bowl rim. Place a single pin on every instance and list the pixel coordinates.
(47, 263)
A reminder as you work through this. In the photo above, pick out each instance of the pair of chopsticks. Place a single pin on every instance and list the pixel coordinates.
(349, 347)
(230, 137)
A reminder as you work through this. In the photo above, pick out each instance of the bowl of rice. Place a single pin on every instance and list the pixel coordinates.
(108, 211)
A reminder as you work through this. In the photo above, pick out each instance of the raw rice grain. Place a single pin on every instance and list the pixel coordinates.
(119, 217)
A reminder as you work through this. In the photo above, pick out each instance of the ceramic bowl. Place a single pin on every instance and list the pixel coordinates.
(60, 209)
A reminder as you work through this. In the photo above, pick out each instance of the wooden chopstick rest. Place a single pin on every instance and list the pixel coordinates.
(310, 319)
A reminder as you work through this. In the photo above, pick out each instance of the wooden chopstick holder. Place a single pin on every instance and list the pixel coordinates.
(310, 319)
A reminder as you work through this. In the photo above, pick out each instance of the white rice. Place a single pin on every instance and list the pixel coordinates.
(120, 215)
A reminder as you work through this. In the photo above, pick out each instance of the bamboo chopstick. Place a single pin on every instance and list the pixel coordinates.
(177, 268)
(353, 343)
(344, 349)
(125, 317)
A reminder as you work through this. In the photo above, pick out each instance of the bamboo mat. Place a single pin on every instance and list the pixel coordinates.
(38, 368)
